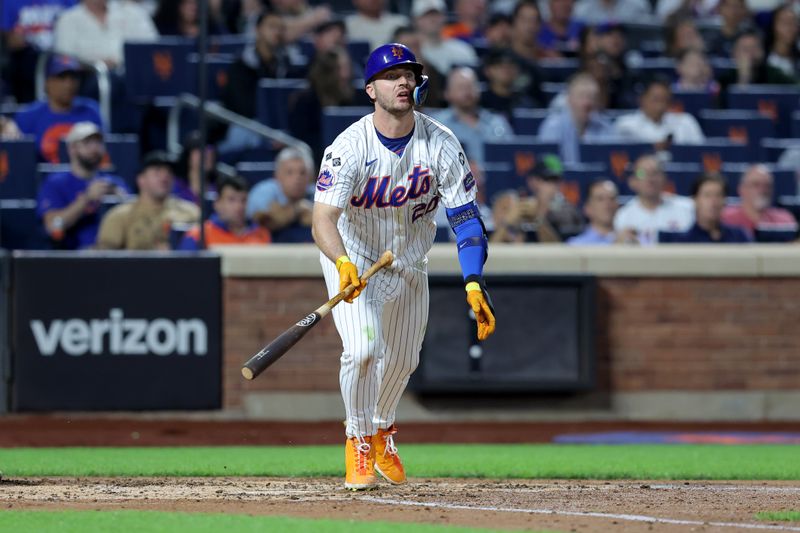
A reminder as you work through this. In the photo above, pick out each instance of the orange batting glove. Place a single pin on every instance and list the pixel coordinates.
(482, 307)
(348, 275)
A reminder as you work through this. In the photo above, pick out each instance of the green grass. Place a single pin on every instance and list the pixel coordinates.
(161, 522)
(763, 462)
(779, 516)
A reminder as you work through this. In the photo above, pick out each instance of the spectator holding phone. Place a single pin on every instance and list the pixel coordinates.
(69, 202)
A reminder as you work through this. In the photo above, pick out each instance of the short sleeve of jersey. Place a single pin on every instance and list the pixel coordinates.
(338, 171)
(456, 183)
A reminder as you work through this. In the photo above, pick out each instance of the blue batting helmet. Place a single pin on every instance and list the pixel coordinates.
(391, 55)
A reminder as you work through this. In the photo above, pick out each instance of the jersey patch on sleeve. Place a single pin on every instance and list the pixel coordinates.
(325, 179)
(468, 181)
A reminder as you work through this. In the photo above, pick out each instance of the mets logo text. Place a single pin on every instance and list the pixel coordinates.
(325, 180)
(397, 52)
(307, 321)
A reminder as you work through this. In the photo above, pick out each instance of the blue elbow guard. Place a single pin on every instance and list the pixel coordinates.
(471, 238)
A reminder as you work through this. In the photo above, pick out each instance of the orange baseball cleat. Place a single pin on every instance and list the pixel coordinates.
(359, 459)
(387, 460)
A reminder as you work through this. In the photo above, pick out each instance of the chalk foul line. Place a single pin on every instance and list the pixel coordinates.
(628, 517)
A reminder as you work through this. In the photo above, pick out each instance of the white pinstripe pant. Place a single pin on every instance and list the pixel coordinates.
(382, 333)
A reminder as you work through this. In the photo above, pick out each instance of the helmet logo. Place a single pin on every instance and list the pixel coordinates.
(397, 52)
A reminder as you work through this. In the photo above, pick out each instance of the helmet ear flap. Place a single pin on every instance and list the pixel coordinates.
(421, 90)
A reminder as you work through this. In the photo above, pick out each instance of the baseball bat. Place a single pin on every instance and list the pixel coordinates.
(278, 347)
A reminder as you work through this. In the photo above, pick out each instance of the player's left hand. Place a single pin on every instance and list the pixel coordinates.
(482, 307)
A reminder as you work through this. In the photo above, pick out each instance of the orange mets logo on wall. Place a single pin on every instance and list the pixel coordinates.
(162, 64)
(397, 52)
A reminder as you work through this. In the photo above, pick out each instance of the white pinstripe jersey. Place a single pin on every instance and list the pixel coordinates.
(389, 202)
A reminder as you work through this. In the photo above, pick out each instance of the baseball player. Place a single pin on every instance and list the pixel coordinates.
(379, 187)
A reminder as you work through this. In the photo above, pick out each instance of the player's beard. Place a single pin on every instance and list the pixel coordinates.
(391, 105)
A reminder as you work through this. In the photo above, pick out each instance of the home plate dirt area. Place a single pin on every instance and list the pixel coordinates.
(558, 505)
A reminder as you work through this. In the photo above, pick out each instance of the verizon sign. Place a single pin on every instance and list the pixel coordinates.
(107, 332)
(117, 335)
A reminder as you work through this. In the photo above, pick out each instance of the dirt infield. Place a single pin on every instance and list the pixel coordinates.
(630, 506)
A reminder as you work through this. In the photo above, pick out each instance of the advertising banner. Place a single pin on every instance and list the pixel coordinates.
(116, 331)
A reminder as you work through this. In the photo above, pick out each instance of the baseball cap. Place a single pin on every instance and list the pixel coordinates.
(81, 131)
(420, 7)
(157, 158)
(548, 167)
(59, 64)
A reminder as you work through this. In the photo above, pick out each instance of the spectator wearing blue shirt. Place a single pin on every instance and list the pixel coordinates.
(600, 207)
(27, 26)
(70, 202)
(578, 121)
(282, 204)
(561, 33)
(50, 121)
(709, 200)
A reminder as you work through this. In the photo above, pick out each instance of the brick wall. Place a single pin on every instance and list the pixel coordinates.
(690, 334)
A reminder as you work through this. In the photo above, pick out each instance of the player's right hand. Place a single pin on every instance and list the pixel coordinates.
(348, 275)
(482, 307)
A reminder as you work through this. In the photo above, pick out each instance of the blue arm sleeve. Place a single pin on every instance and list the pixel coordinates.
(471, 238)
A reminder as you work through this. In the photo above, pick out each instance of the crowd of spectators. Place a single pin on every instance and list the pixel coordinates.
(485, 60)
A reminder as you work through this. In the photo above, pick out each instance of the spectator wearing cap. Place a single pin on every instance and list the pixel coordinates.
(622, 11)
(146, 222)
(560, 33)
(755, 211)
(578, 121)
(653, 209)
(440, 53)
(472, 124)
(228, 224)
(96, 30)
(373, 23)
(600, 207)
(27, 28)
(655, 123)
(555, 217)
(49, 121)
(283, 204)
(69, 203)
(708, 192)
(469, 23)
(503, 93)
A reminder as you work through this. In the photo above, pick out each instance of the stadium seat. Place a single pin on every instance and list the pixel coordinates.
(158, 68)
(776, 102)
(18, 169)
(499, 177)
(520, 151)
(272, 101)
(577, 178)
(744, 126)
(681, 176)
(550, 90)
(615, 156)
(796, 124)
(712, 153)
(772, 149)
(526, 121)
(231, 44)
(558, 70)
(217, 73)
(656, 67)
(254, 172)
(20, 227)
(336, 119)
(691, 102)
